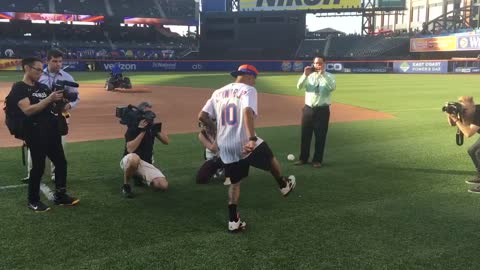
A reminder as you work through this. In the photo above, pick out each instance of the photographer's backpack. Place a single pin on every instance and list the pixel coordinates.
(14, 119)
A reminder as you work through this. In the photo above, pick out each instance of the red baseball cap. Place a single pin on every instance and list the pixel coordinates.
(245, 69)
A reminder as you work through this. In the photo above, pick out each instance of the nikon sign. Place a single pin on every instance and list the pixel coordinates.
(269, 5)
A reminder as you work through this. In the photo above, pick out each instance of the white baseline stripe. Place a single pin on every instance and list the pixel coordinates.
(412, 110)
(12, 186)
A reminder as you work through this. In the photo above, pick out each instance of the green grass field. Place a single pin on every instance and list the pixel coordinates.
(391, 194)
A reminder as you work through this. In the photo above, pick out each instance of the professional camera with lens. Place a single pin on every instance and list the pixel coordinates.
(453, 108)
(131, 116)
(60, 85)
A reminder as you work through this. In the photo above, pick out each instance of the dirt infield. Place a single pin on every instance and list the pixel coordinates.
(176, 107)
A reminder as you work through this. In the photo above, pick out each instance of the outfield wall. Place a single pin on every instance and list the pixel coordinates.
(400, 66)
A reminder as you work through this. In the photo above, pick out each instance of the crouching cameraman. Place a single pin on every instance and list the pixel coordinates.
(138, 154)
(468, 122)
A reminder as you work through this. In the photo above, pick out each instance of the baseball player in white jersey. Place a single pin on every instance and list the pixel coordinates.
(52, 73)
(235, 107)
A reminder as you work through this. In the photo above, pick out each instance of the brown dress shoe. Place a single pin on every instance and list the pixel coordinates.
(299, 163)
(317, 164)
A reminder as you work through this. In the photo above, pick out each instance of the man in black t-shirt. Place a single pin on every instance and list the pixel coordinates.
(138, 155)
(42, 136)
(469, 125)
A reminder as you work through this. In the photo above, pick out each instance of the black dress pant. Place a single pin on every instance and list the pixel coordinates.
(314, 121)
(43, 140)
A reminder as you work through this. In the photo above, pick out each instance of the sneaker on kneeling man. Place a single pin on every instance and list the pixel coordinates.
(474, 181)
(475, 190)
(290, 185)
(127, 191)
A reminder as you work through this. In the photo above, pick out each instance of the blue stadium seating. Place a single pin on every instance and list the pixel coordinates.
(121, 8)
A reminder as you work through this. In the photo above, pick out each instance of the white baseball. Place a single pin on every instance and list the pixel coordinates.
(290, 157)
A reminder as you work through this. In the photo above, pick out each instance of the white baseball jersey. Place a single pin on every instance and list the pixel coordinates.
(227, 105)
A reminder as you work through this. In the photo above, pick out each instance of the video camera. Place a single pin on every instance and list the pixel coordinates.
(455, 108)
(60, 85)
(131, 116)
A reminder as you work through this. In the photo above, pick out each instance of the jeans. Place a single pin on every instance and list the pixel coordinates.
(474, 152)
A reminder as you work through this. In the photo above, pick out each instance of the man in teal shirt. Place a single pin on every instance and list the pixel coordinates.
(318, 85)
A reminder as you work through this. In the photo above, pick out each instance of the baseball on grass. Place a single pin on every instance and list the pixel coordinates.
(290, 157)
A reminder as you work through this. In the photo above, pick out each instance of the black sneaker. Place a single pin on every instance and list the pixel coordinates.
(127, 191)
(65, 199)
(38, 207)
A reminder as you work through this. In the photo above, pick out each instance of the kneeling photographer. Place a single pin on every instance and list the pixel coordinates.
(465, 115)
(139, 141)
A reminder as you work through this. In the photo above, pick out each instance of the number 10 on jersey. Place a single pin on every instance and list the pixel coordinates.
(229, 115)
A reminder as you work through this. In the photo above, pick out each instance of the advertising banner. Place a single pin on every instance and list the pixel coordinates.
(132, 66)
(262, 66)
(467, 70)
(271, 5)
(420, 67)
(10, 64)
(434, 44)
(366, 67)
(51, 17)
(73, 65)
(468, 43)
(367, 70)
(159, 21)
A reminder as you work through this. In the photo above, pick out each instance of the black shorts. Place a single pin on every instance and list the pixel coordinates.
(260, 158)
(208, 169)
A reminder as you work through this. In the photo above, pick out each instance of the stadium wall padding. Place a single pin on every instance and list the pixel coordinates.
(403, 66)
